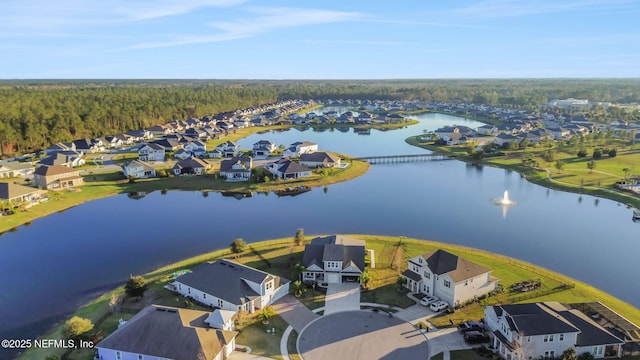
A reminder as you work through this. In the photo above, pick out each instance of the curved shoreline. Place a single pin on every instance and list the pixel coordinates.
(539, 177)
(501, 265)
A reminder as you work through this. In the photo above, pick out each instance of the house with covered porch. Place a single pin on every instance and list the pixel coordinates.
(333, 259)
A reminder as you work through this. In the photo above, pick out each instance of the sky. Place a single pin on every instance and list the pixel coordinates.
(347, 39)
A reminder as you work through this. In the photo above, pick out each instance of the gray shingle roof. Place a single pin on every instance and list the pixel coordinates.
(226, 280)
(442, 262)
(335, 248)
(170, 333)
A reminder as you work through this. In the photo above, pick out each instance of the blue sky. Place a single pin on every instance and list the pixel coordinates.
(348, 39)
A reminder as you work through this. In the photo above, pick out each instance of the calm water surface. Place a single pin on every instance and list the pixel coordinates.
(63, 260)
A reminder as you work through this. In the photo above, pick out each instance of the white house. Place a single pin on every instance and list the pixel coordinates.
(333, 259)
(138, 169)
(263, 148)
(196, 148)
(151, 152)
(228, 149)
(298, 148)
(221, 319)
(160, 332)
(545, 330)
(236, 168)
(448, 277)
(231, 286)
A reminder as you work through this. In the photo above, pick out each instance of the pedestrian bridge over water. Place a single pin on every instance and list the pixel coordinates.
(387, 159)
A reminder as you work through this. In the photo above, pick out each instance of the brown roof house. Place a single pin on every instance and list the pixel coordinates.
(56, 177)
(236, 168)
(448, 277)
(17, 193)
(191, 166)
(159, 332)
(319, 159)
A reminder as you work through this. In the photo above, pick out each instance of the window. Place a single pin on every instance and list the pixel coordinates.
(528, 338)
(189, 290)
(549, 354)
(420, 260)
(447, 284)
(220, 303)
(551, 338)
(118, 355)
(466, 282)
(561, 337)
(427, 275)
(204, 295)
(139, 357)
(546, 338)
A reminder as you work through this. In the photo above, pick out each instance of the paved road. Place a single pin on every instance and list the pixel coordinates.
(362, 335)
(294, 312)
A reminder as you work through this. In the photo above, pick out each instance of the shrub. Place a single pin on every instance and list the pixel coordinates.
(77, 326)
(613, 153)
(582, 153)
(597, 154)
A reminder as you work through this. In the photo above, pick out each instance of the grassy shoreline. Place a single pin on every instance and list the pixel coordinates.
(595, 183)
(280, 252)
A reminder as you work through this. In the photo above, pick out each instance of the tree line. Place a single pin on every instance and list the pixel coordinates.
(35, 114)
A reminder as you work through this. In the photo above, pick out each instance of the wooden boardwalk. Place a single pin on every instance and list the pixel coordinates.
(388, 159)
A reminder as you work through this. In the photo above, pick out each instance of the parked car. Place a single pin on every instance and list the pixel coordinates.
(428, 300)
(438, 305)
(471, 326)
(475, 337)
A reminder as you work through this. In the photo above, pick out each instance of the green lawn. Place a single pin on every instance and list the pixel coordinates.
(254, 334)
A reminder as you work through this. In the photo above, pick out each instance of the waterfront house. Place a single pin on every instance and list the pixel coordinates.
(448, 277)
(236, 168)
(491, 130)
(545, 330)
(228, 149)
(191, 166)
(227, 285)
(162, 332)
(9, 169)
(333, 259)
(17, 193)
(263, 148)
(298, 148)
(319, 159)
(287, 169)
(56, 177)
(138, 169)
(151, 152)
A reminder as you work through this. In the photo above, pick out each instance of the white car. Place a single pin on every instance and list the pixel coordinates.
(428, 300)
(438, 305)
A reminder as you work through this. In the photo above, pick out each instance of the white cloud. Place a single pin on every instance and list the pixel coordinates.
(492, 9)
(264, 20)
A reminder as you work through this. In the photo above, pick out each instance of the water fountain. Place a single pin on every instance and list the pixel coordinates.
(504, 202)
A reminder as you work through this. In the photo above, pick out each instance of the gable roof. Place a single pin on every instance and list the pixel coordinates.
(320, 156)
(136, 163)
(168, 332)
(59, 158)
(225, 279)
(441, 262)
(535, 319)
(153, 146)
(335, 248)
(227, 165)
(11, 190)
(191, 163)
(53, 170)
(292, 167)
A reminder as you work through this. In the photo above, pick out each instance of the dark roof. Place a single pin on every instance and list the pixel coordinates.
(11, 190)
(226, 165)
(171, 333)
(591, 334)
(411, 275)
(53, 170)
(154, 146)
(191, 163)
(291, 167)
(335, 248)
(442, 262)
(59, 158)
(536, 319)
(136, 162)
(226, 280)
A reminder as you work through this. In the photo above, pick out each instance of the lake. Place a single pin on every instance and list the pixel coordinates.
(62, 261)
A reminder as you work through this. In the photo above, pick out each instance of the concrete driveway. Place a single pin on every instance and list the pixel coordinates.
(294, 312)
(342, 297)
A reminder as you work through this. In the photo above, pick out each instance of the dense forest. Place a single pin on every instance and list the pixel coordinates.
(37, 113)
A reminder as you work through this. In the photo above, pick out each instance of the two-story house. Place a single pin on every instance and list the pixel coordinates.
(263, 148)
(56, 177)
(151, 152)
(236, 168)
(448, 277)
(138, 169)
(546, 330)
(231, 286)
(333, 259)
(301, 147)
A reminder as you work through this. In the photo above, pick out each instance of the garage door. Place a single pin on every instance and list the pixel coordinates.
(333, 278)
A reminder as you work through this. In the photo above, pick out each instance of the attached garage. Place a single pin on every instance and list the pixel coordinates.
(333, 278)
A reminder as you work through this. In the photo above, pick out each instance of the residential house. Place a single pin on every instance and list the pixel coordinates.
(545, 330)
(333, 259)
(85, 146)
(242, 123)
(182, 154)
(66, 158)
(319, 159)
(160, 130)
(195, 148)
(113, 142)
(9, 169)
(298, 148)
(491, 130)
(560, 133)
(263, 148)
(151, 152)
(161, 332)
(228, 285)
(56, 177)
(448, 277)
(169, 145)
(57, 147)
(138, 169)
(140, 135)
(228, 149)
(502, 139)
(286, 169)
(191, 166)
(221, 319)
(236, 168)
(18, 193)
